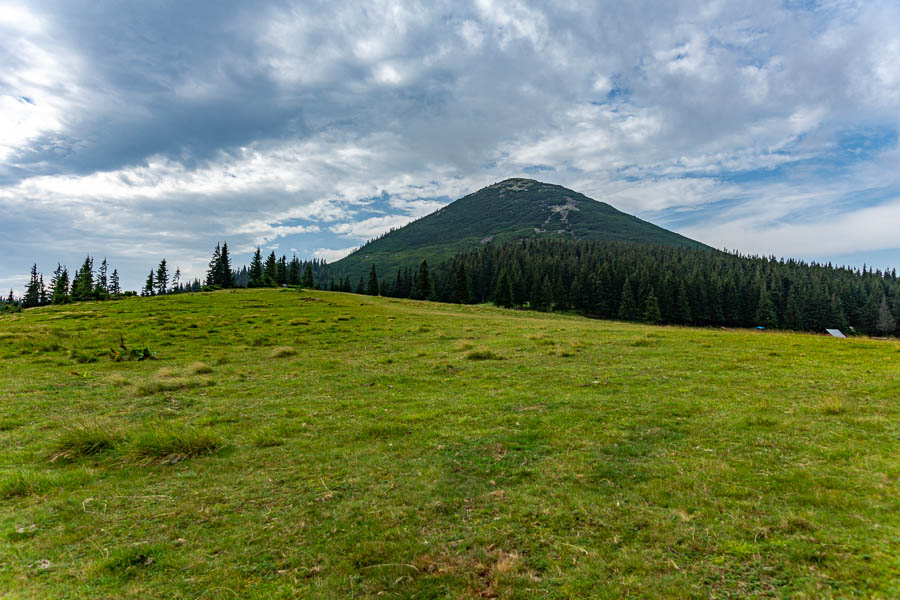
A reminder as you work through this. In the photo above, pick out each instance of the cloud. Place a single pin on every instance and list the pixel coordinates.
(140, 132)
(331, 255)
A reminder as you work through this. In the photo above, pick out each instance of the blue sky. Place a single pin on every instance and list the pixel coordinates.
(143, 131)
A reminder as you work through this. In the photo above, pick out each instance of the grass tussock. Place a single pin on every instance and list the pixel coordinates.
(266, 438)
(832, 405)
(23, 482)
(169, 383)
(86, 439)
(199, 368)
(82, 356)
(168, 444)
(282, 352)
(483, 355)
(117, 380)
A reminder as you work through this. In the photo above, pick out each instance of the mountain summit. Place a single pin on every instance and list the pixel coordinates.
(510, 210)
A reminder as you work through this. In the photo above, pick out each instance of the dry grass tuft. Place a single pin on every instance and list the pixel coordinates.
(282, 351)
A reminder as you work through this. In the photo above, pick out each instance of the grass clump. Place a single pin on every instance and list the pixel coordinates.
(84, 440)
(199, 368)
(169, 444)
(82, 357)
(282, 351)
(483, 355)
(832, 405)
(23, 482)
(168, 382)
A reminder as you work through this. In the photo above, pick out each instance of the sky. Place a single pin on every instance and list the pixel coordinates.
(147, 130)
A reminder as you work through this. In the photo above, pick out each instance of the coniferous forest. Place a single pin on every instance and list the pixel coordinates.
(658, 284)
(608, 280)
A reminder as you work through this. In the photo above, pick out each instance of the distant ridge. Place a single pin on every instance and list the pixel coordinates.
(509, 210)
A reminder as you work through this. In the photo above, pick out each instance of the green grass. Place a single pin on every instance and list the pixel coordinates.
(319, 445)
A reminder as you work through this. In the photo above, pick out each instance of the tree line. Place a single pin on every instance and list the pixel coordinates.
(610, 280)
(655, 284)
(86, 284)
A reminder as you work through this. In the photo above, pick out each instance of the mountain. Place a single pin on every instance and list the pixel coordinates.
(510, 210)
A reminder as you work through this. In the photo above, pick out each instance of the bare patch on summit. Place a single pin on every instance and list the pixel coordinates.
(563, 210)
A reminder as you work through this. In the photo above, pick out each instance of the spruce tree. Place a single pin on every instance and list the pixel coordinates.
(256, 270)
(372, 288)
(162, 278)
(223, 271)
(60, 292)
(32, 295)
(176, 280)
(424, 288)
(83, 284)
(282, 273)
(295, 276)
(214, 263)
(885, 323)
(361, 286)
(149, 286)
(308, 281)
(652, 313)
(543, 300)
(114, 287)
(461, 289)
(101, 287)
(628, 307)
(503, 293)
(270, 270)
(765, 309)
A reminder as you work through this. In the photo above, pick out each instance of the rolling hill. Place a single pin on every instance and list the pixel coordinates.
(509, 210)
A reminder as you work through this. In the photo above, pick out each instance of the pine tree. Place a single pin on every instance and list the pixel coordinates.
(503, 293)
(149, 286)
(162, 278)
(176, 280)
(361, 286)
(114, 287)
(372, 288)
(32, 295)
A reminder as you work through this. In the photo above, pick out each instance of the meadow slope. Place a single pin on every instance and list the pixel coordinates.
(312, 444)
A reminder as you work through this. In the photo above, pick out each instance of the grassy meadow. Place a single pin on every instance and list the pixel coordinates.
(276, 444)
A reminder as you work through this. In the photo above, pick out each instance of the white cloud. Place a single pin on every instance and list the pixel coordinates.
(331, 255)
